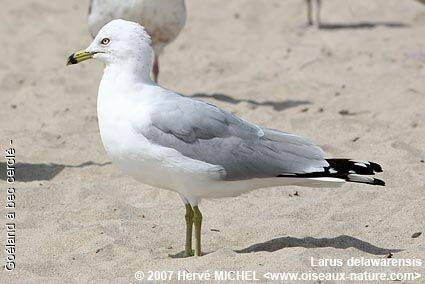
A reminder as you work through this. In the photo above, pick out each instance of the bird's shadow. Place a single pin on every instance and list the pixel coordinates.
(276, 105)
(361, 25)
(27, 172)
(341, 242)
(181, 254)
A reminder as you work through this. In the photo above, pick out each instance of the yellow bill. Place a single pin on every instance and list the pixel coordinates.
(79, 56)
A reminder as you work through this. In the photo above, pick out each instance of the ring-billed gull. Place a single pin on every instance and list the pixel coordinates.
(163, 20)
(193, 148)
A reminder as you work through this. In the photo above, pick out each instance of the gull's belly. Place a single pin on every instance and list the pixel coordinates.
(152, 164)
(168, 169)
(133, 155)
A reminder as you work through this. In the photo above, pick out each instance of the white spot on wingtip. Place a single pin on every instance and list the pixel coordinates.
(361, 162)
(360, 165)
(360, 178)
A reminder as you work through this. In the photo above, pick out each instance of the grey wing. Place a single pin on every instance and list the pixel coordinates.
(206, 133)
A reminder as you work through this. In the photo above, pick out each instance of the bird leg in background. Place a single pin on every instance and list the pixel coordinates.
(189, 225)
(155, 68)
(309, 19)
(197, 220)
(318, 9)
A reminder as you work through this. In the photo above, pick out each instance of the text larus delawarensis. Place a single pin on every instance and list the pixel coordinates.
(163, 20)
(193, 148)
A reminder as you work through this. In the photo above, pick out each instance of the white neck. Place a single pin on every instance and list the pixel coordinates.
(132, 71)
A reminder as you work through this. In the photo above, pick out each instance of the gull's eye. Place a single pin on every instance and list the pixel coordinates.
(105, 41)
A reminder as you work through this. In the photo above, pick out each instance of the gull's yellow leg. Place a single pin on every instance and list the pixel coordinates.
(197, 220)
(189, 225)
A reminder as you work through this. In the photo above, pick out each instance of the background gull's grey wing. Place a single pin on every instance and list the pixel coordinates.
(204, 132)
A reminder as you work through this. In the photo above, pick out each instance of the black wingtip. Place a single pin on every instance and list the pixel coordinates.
(347, 169)
(356, 166)
(376, 167)
(378, 182)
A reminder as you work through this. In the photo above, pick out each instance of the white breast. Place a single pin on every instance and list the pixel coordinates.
(120, 119)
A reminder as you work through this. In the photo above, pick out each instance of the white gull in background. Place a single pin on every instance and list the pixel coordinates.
(193, 148)
(162, 19)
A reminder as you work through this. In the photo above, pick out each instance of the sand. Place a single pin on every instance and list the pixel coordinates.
(356, 87)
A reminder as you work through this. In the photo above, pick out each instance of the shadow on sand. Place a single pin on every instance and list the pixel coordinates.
(26, 172)
(341, 242)
(277, 105)
(362, 25)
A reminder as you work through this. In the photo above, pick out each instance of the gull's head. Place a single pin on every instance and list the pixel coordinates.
(117, 41)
